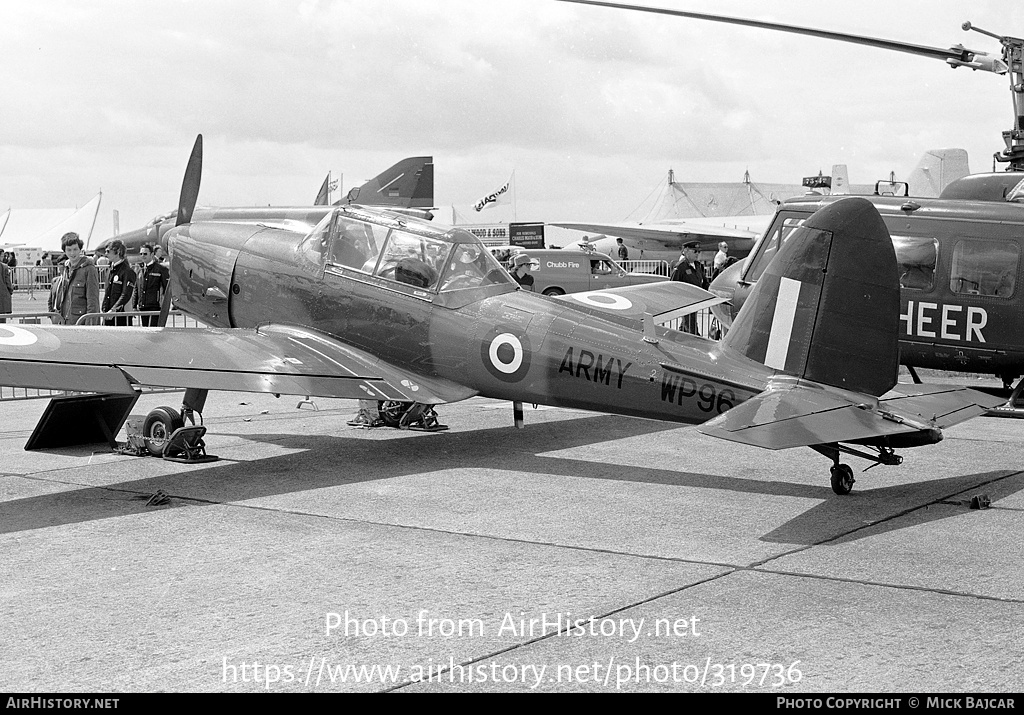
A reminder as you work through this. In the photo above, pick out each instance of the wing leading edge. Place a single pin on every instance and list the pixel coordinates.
(277, 359)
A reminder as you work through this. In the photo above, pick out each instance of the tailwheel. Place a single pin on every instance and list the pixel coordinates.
(160, 424)
(842, 478)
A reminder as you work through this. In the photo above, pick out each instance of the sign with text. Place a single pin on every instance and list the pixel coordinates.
(527, 235)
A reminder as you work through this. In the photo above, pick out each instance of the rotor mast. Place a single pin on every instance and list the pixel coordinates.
(1012, 61)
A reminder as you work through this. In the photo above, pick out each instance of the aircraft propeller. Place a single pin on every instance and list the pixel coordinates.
(190, 184)
(186, 206)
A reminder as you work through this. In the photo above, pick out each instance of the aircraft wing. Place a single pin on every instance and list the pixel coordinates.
(703, 227)
(665, 300)
(277, 359)
(798, 415)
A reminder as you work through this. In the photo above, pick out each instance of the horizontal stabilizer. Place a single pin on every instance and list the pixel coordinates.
(665, 300)
(800, 414)
(946, 405)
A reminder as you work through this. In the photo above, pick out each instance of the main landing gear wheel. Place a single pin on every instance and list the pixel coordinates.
(160, 424)
(842, 479)
(391, 411)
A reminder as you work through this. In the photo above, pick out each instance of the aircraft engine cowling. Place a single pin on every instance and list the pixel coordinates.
(202, 265)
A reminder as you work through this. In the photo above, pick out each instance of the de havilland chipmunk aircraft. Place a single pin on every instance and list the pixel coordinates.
(376, 305)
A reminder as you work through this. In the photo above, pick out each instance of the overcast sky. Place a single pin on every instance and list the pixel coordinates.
(589, 106)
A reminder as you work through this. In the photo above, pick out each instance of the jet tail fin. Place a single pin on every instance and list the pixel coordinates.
(407, 184)
(321, 196)
(936, 170)
(827, 307)
(840, 180)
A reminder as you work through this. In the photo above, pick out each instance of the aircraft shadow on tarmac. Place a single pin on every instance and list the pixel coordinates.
(325, 461)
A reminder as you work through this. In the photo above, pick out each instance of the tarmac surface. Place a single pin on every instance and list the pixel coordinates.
(582, 553)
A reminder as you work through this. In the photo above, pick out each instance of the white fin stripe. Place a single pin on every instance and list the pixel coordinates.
(782, 323)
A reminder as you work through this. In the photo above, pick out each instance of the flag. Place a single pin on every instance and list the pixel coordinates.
(501, 195)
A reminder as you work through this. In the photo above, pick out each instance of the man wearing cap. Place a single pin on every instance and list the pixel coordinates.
(690, 270)
(521, 267)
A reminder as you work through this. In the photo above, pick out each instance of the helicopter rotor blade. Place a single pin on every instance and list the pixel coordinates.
(190, 184)
(952, 55)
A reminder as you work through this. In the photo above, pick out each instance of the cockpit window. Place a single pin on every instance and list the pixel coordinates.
(354, 243)
(916, 257)
(412, 259)
(984, 268)
(766, 250)
(472, 266)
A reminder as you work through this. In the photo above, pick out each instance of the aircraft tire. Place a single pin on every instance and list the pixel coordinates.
(391, 411)
(554, 291)
(842, 479)
(160, 424)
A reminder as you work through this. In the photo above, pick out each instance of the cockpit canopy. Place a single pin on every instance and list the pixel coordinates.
(404, 250)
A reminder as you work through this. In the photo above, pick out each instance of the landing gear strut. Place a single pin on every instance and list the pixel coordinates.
(842, 474)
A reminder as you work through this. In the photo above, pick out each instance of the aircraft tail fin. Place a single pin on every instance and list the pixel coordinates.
(840, 179)
(827, 307)
(407, 184)
(936, 170)
(324, 192)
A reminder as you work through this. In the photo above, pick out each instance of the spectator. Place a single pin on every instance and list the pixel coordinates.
(690, 270)
(720, 258)
(151, 284)
(120, 284)
(76, 288)
(12, 262)
(522, 264)
(6, 288)
(623, 252)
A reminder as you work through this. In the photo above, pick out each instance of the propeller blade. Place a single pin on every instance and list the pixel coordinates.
(190, 184)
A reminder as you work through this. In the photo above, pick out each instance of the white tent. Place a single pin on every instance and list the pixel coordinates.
(43, 228)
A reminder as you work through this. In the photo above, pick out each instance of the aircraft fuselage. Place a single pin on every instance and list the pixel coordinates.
(502, 342)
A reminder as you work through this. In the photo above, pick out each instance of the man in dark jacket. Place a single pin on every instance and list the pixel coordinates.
(690, 270)
(120, 284)
(151, 284)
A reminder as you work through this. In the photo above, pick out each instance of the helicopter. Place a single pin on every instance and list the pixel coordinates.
(959, 254)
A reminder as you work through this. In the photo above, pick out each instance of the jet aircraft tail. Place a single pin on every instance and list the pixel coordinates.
(827, 307)
(407, 184)
(936, 170)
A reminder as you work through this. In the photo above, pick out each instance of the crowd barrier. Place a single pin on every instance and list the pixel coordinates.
(660, 268)
(707, 326)
(28, 278)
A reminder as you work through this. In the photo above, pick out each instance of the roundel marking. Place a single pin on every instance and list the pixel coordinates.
(505, 352)
(16, 337)
(509, 359)
(608, 301)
